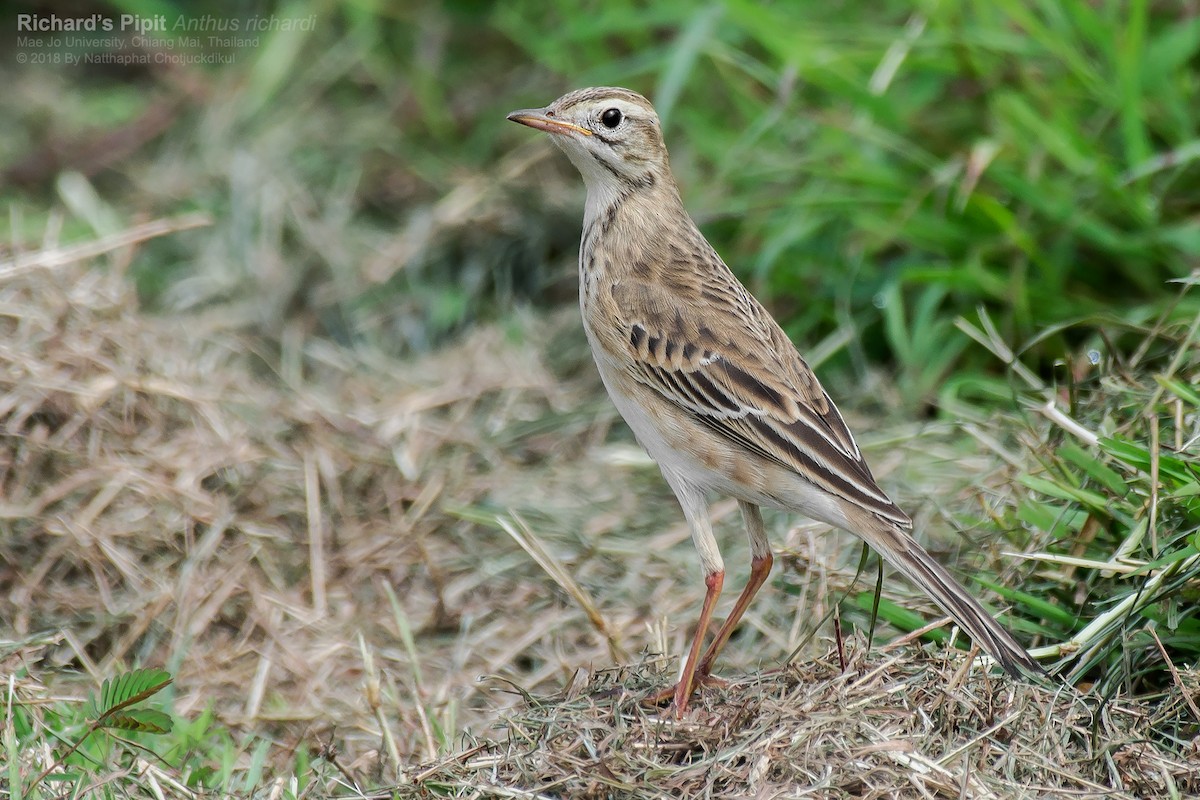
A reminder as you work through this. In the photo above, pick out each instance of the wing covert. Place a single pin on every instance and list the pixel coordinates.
(765, 399)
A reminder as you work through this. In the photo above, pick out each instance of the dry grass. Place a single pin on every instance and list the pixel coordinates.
(326, 547)
(885, 725)
(167, 498)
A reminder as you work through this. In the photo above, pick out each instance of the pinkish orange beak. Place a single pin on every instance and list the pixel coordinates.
(539, 119)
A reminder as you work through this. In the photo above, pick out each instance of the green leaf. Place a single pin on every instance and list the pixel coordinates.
(145, 720)
(1131, 51)
(1052, 489)
(899, 616)
(1171, 49)
(1103, 474)
(1036, 605)
(1036, 515)
(690, 43)
(129, 688)
(61, 777)
(1054, 136)
(1180, 389)
(1186, 551)
(1179, 471)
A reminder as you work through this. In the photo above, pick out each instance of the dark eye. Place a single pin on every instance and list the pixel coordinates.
(611, 118)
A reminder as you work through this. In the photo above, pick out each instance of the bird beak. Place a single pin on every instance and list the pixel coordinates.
(538, 119)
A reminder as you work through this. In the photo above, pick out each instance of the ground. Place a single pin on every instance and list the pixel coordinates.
(458, 575)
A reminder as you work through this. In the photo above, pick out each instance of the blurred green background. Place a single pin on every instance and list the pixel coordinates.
(874, 171)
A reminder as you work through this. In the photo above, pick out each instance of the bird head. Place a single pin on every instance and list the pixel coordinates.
(611, 135)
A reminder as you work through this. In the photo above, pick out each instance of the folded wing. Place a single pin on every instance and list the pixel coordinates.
(765, 398)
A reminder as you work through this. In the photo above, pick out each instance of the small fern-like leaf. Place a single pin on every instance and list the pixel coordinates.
(145, 720)
(129, 688)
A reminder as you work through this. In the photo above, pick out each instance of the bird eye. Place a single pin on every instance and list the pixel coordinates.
(611, 118)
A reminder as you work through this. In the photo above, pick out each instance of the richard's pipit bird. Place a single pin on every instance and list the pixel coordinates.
(707, 380)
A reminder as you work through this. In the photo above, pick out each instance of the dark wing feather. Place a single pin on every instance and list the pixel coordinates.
(766, 399)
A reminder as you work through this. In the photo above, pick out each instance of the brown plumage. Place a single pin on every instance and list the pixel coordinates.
(708, 381)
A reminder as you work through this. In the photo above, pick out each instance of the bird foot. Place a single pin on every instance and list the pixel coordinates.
(666, 695)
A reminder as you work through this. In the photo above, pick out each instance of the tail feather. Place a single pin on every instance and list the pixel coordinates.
(904, 553)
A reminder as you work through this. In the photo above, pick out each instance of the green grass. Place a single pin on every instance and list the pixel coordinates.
(880, 164)
(1038, 159)
(1116, 482)
(116, 735)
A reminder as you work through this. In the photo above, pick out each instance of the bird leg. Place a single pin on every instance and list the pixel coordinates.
(760, 568)
(695, 508)
(697, 671)
(681, 692)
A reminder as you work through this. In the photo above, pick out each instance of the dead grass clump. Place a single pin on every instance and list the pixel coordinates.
(169, 497)
(902, 725)
(320, 544)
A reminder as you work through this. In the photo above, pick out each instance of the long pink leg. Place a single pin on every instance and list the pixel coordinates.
(681, 692)
(683, 689)
(760, 568)
(695, 509)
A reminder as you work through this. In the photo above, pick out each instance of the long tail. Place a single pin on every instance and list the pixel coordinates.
(902, 551)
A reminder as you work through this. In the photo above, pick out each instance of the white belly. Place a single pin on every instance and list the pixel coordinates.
(731, 472)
